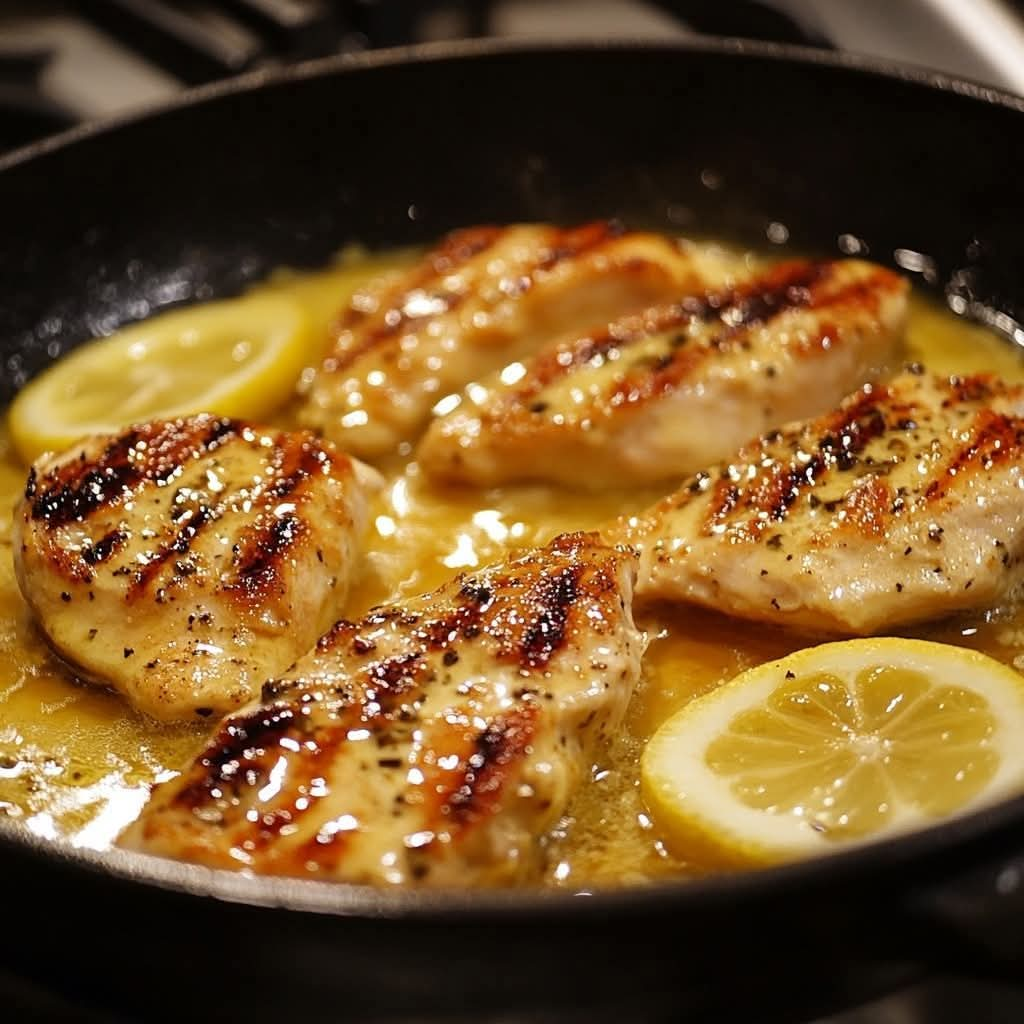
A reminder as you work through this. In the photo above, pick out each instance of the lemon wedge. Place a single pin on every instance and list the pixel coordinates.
(840, 743)
(237, 357)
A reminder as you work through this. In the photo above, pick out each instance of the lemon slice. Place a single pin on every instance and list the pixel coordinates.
(840, 743)
(238, 357)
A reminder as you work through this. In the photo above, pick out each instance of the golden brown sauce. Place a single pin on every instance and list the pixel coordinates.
(77, 762)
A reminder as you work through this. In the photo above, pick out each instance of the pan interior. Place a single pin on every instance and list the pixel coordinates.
(695, 141)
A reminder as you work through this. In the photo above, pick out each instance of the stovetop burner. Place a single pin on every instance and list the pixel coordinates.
(66, 62)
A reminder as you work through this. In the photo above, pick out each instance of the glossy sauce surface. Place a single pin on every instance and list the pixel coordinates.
(76, 762)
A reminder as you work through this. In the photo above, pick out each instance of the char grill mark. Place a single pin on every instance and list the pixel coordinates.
(867, 507)
(258, 566)
(80, 566)
(106, 547)
(642, 382)
(336, 635)
(464, 622)
(295, 460)
(549, 602)
(76, 490)
(530, 632)
(788, 286)
(575, 242)
(488, 759)
(551, 365)
(976, 388)
(377, 703)
(462, 247)
(392, 678)
(500, 749)
(802, 287)
(458, 249)
(297, 795)
(257, 560)
(196, 520)
(995, 438)
(242, 761)
(80, 488)
(242, 758)
(848, 433)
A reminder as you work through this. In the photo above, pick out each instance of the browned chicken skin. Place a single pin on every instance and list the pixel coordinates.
(906, 503)
(433, 742)
(184, 561)
(483, 298)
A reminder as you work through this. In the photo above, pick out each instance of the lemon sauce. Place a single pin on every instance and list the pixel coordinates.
(77, 762)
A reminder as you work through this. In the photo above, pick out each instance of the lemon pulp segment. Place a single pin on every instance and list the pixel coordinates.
(841, 742)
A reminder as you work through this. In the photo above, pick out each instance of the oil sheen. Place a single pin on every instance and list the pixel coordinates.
(77, 763)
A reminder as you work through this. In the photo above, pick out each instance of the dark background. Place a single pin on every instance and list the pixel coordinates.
(61, 63)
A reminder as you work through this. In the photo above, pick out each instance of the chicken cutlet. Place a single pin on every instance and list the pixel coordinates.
(433, 742)
(906, 503)
(484, 298)
(662, 393)
(184, 561)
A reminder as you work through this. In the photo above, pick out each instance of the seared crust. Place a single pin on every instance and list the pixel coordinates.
(433, 742)
(183, 561)
(906, 503)
(631, 403)
(484, 297)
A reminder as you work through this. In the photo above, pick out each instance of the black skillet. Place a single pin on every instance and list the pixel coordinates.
(101, 226)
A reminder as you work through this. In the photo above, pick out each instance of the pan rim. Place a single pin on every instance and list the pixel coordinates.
(954, 844)
(472, 49)
(985, 837)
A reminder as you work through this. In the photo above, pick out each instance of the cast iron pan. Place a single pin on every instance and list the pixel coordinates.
(103, 226)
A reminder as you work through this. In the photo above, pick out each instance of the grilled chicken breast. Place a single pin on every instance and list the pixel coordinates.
(184, 561)
(486, 297)
(433, 742)
(662, 393)
(904, 504)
